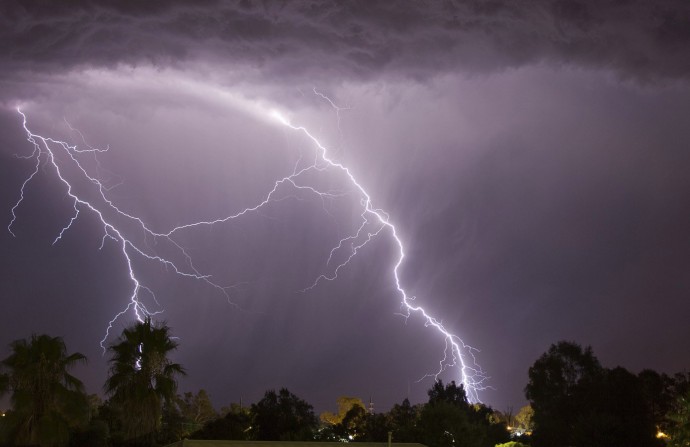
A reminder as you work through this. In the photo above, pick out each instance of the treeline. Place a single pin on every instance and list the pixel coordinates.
(446, 419)
(50, 407)
(577, 402)
(574, 401)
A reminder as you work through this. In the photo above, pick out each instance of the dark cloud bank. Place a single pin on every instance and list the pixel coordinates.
(645, 40)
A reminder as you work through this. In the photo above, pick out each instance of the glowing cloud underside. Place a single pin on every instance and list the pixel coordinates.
(60, 156)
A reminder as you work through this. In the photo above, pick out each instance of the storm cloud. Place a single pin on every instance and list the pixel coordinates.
(361, 40)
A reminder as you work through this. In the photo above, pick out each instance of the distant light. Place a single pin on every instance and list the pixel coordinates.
(659, 435)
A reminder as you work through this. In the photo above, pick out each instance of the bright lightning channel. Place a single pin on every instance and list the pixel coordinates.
(45, 151)
(456, 353)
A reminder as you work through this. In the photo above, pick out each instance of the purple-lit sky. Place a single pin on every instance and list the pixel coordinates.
(534, 158)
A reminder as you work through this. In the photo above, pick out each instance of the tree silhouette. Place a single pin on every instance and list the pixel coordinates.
(557, 390)
(577, 402)
(403, 419)
(283, 416)
(449, 420)
(46, 399)
(680, 418)
(142, 378)
(234, 425)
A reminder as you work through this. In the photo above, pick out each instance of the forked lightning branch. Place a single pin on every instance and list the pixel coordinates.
(55, 157)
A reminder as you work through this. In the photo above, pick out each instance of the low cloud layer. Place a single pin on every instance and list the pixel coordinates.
(642, 40)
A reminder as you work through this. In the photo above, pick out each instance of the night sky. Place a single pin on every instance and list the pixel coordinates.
(534, 158)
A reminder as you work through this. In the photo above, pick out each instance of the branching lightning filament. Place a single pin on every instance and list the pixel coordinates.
(59, 157)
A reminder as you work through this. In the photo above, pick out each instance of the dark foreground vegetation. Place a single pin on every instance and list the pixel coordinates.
(574, 401)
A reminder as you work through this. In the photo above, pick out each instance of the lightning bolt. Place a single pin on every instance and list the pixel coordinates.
(59, 156)
(374, 221)
(55, 154)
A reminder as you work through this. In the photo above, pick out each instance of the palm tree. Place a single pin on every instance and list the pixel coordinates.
(46, 399)
(142, 377)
